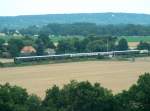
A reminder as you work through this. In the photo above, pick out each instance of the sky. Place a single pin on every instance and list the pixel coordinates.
(34, 7)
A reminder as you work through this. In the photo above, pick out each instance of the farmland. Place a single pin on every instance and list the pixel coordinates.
(115, 75)
(137, 38)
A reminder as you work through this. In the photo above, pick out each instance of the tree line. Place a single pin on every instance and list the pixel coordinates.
(78, 96)
(91, 43)
(83, 29)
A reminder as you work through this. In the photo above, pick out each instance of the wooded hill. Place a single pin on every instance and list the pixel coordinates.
(98, 18)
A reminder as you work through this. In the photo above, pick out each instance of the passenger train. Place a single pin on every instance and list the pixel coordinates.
(63, 56)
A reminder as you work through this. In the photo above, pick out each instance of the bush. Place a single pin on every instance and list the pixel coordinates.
(81, 96)
(1, 64)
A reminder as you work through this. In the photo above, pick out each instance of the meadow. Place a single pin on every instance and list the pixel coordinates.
(137, 38)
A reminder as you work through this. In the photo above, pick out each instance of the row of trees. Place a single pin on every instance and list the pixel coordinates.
(85, 29)
(70, 45)
(78, 96)
(91, 44)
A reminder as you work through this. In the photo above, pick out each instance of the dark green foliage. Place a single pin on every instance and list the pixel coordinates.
(1, 64)
(65, 46)
(123, 44)
(98, 18)
(137, 98)
(40, 47)
(2, 41)
(89, 44)
(46, 40)
(28, 41)
(85, 29)
(34, 103)
(143, 46)
(79, 97)
(15, 46)
(97, 46)
(12, 98)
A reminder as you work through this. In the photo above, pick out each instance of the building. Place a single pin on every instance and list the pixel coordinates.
(28, 50)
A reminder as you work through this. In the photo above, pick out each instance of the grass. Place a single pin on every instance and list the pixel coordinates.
(42, 62)
(137, 38)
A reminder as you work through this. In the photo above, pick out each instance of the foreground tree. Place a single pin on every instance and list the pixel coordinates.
(34, 103)
(79, 97)
(12, 98)
(137, 98)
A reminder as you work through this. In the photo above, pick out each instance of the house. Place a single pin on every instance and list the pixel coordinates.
(27, 50)
(50, 51)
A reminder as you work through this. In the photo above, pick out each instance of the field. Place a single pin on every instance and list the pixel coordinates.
(115, 75)
(133, 45)
(133, 41)
(137, 38)
(3, 60)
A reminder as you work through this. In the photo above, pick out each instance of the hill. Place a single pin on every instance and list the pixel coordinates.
(98, 18)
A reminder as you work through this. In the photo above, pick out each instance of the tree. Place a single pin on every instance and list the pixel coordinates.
(46, 40)
(40, 47)
(2, 41)
(97, 46)
(65, 46)
(137, 98)
(141, 92)
(79, 97)
(12, 98)
(34, 103)
(123, 44)
(15, 46)
(143, 46)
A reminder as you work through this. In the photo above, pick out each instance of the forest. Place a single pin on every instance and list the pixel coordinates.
(83, 29)
(97, 18)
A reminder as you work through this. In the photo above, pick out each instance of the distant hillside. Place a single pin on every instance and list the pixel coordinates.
(98, 18)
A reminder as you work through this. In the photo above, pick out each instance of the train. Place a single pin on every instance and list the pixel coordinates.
(77, 55)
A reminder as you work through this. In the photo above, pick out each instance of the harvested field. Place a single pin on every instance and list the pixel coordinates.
(133, 45)
(115, 75)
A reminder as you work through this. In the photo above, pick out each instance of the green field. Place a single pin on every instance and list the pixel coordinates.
(137, 38)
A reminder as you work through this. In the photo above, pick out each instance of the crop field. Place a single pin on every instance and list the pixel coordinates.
(114, 75)
(133, 45)
(137, 38)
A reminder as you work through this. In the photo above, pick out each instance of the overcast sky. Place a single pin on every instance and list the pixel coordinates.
(29, 7)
